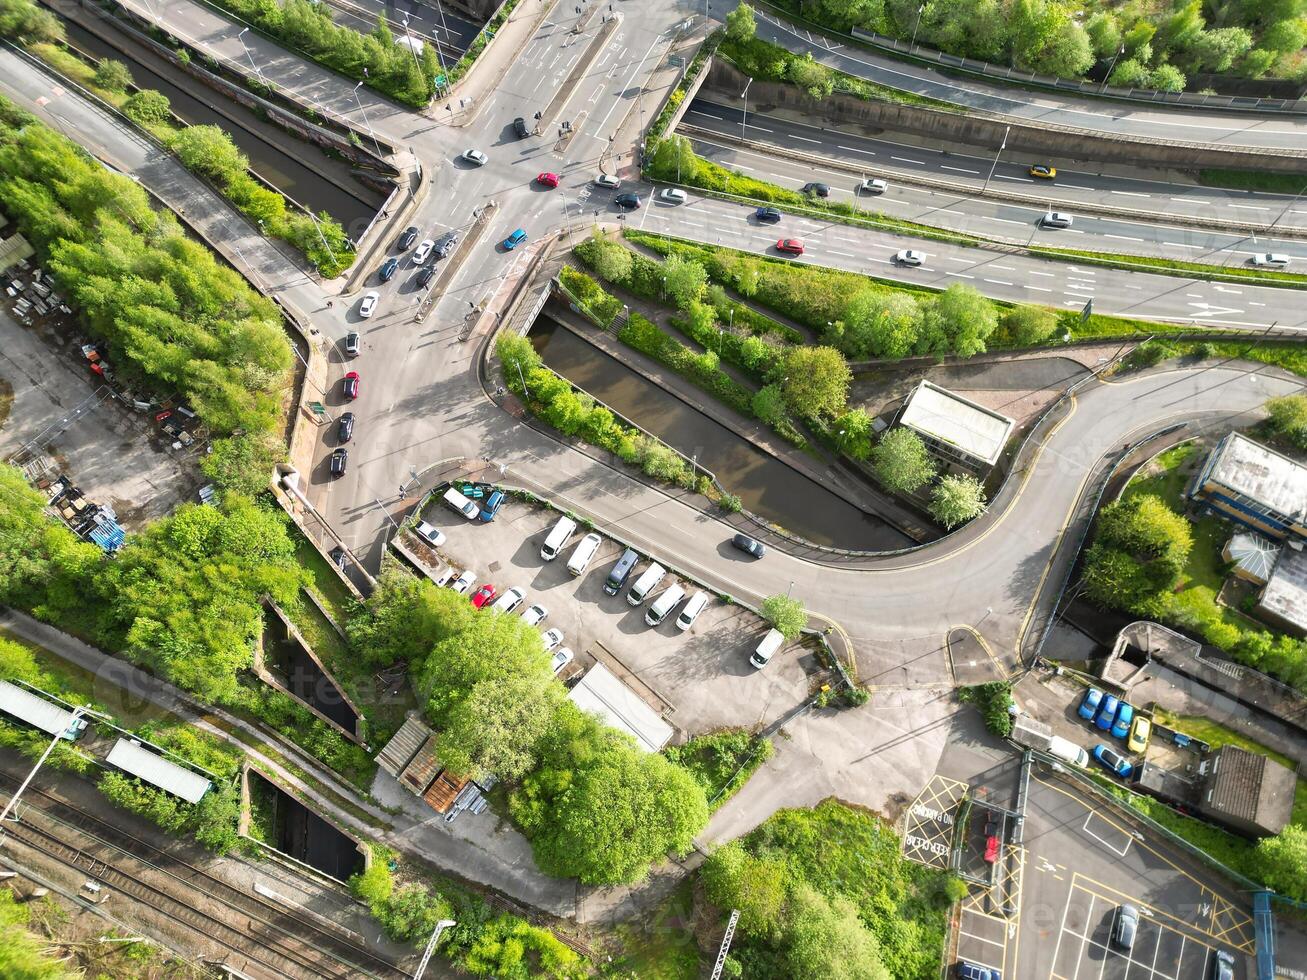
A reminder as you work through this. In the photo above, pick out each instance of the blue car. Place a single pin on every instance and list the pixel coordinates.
(492, 505)
(1124, 715)
(514, 240)
(1112, 762)
(970, 971)
(1106, 713)
(388, 268)
(1089, 706)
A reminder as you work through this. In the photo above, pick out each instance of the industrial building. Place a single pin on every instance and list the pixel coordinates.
(602, 693)
(1254, 486)
(956, 428)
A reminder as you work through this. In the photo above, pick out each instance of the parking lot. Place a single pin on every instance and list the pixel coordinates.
(701, 680)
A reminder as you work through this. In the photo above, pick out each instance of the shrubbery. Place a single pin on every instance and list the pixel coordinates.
(994, 701)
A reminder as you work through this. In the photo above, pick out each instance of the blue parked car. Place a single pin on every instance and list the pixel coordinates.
(514, 240)
(1089, 706)
(388, 268)
(492, 505)
(1106, 713)
(970, 971)
(1112, 762)
(1124, 715)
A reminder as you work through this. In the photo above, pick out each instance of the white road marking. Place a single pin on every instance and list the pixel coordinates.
(1130, 194)
(920, 163)
(700, 112)
(1020, 180)
(805, 139)
(1248, 207)
(999, 282)
(1124, 238)
(960, 170)
(854, 149)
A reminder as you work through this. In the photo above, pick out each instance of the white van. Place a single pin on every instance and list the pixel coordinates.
(698, 602)
(664, 604)
(558, 536)
(767, 648)
(1068, 751)
(461, 504)
(583, 552)
(645, 584)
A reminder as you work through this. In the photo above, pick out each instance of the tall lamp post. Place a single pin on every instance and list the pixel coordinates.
(744, 118)
(1112, 67)
(994, 165)
(241, 37)
(13, 800)
(441, 926)
(375, 145)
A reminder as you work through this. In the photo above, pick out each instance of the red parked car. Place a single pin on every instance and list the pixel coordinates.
(350, 385)
(483, 595)
(791, 245)
(547, 180)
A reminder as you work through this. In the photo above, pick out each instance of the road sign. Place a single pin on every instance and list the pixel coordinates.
(1087, 312)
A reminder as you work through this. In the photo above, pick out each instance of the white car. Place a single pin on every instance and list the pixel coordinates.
(608, 180)
(1273, 259)
(909, 256)
(535, 615)
(552, 638)
(673, 195)
(464, 582)
(369, 304)
(698, 602)
(475, 156)
(873, 185)
(429, 534)
(509, 601)
(561, 659)
(353, 344)
(1056, 219)
(422, 251)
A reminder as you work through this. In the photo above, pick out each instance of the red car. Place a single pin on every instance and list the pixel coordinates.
(791, 245)
(547, 180)
(350, 385)
(483, 595)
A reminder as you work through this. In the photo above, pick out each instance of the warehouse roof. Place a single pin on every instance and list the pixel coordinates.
(601, 692)
(132, 757)
(400, 750)
(1249, 788)
(51, 718)
(1259, 473)
(1285, 594)
(941, 415)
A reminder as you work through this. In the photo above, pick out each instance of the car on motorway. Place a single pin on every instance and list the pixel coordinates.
(423, 251)
(463, 582)
(909, 256)
(817, 188)
(790, 246)
(339, 460)
(430, 534)
(873, 185)
(491, 507)
(1222, 967)
(510, 600)
(369, 304)
(673, 195)
(353, 343)
(767, 216)
(1106, 713)
(608, 180)
(1043, 171)
(445, 244)
(1056, 219)
(388, 269)
(407, 239)
(1125, 927)
(483, 595)
(427, 273)
(1089, 704)
(561, 659)
(972, 971)
(552, 638)
(345, 427)
(514, 240)
(1125, 713)
(349, 385)
(627, 202)
(1274, 260)
(749, 545)
(521, 128)
(547, 179)
(1112, 761)
(475, 157)
(1139, 732)
(535, 615)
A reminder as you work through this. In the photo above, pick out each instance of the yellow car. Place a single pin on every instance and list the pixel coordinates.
(1139, 733)
(1040, 170)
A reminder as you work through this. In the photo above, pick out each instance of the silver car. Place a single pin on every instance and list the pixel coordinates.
(475, 156)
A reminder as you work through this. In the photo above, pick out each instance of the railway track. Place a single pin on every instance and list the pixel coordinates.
(270, 939)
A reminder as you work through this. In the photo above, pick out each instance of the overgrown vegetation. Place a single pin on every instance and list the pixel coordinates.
(23, 955)
(994, 701)
(721, 763)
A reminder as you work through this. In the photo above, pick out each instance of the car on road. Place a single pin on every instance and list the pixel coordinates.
(971, 971)
(1112, 761)
(339, 460)
(1274, 260)
(547, 179)
(1056, 219)
(1125, 927)
(535, 615)
(491, 507)
(425, 276)
(445, 244)
(790, 246)
(561, 659)
(817, 188)
(608, 180)
(1125, 713)
(423, 251)
(627, 202)
(483, 595)
(1089, 704)
(388, 269)
(673, 195)
(430, 534)
(768, 216)
(521, 128)
(1106, 712)
(1139, 732)
(463, 582)
(349, 385)
(345, 427)
(697, 604)
(510, 600)
(1222, 967)
(514, 240)
(475, 157)
(749, 546)
(353, 343)
(552, 638)
(1043, 171)
(909, 256)
(407, 239)
(873, 185)
(339, 557)
(369, 304)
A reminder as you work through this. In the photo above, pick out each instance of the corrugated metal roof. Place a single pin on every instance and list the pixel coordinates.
(417, 775)
(1251, 788)
(442, 793)
(1285, 594)
(399, 751)
(1271, 479)
(940, 414)
(135, 759)
(34, 709)
(601, 692)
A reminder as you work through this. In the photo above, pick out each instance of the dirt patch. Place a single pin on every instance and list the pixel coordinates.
(6, 400)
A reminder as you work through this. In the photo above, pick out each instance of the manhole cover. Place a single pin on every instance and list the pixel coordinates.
(494, 566)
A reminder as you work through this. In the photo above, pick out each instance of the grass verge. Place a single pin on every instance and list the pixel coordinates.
(1246, 180)
(721, 762)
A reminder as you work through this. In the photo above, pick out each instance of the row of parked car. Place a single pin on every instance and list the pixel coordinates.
(1108, 713)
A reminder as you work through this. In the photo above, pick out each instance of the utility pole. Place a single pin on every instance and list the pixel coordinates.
(375, 145)
(13, 800)
(994, 165)
(441, 926)
(744, 118)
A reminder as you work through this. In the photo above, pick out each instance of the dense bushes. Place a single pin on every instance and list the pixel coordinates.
(702, 369)
(590, 294)
(1139, 549)
(24, 955)
(994, 701)
(1288, 419)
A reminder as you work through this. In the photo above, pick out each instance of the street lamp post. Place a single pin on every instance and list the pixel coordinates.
(441, 926)
(408, 36)
(994, 165)
(241, 37)
(1112, 67)
(375, 145)
(13, 800)
(744, 118)
(913, 46)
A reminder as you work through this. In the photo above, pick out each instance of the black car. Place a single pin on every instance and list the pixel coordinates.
(821, 190)
(388, 268)
(627, 202)
(749, 545)
(426, 275)
(345, 427)
(445, 243)
(520, 127)
(768, 216)
(338, 460)
(407, 239)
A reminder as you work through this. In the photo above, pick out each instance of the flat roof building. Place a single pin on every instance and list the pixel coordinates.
(1247, 792)
(49, 717)
(600, 691)
(136, 760)
(1284, 600)
(956, 427)
(1255, 486)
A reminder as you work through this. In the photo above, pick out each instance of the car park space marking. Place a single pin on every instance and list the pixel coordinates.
(1120, 849)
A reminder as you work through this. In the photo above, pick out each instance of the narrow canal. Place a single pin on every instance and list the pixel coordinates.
(766, 486)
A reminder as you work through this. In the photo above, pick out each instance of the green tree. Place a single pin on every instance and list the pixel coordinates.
(815, 380)
(1282, 861)
(1216, 51)
(243, 464)
(1288, 418)
(1256, 63)
(1166, 78)
(1104, 33)
(956, 499)
(112, 75)
(402, 619)
(493, 730)
(410, 914)
(518, 357)
(1141, 545)
(209, 150)
(879, 323)
(1026, 325)
(1129, 73)
(674, 159)
(684, 280)
(826, 939)
(148, 107)
(22, 955)
(613, 261)
(740, 24)
(735, 879)
(42, 563)
(768, 404)
(1285, 36)
(25, 20)
(853, 433)
(811, 76)
(957, 321)
(785, 614)
(901, 461)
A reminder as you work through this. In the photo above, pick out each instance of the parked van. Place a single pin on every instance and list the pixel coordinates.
(698, 602)
(646, 583)
(558, 536)
(461, 504)
(767, 648)
(583, 552)
(617, 576)
(1068, 751)
(664, 604)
